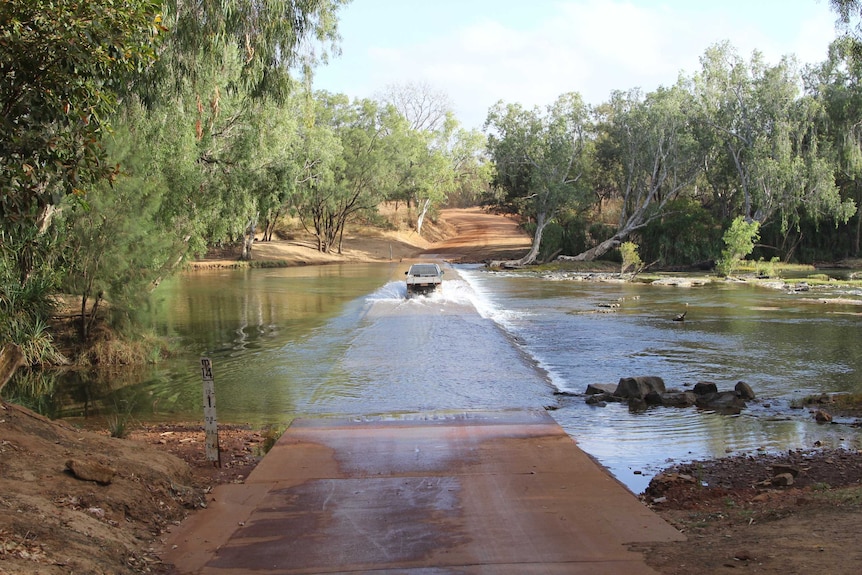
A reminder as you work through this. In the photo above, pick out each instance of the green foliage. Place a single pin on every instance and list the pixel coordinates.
(116, 248)
(62, 64)
(24, 312)
(540, 159)
(271, 436)
(631, 259)
(766, 269)
(687, 234)
(739, 240)
(118, 426)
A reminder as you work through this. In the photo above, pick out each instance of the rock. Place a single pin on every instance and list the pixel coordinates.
(598, 399)
(779, 469)
(653, 398)
(744, 390)
(704, 387)
(782, 480)
(822, 416)
(727, 402)
(595, 388)
(91, 471)
(678, 399)
(637, 404)
(638, 387)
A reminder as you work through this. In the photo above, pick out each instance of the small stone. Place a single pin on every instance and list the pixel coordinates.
(822, 416)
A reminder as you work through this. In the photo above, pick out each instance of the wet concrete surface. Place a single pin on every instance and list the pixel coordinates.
(503, 492)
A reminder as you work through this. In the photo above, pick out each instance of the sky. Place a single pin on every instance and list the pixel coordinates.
(478, 52)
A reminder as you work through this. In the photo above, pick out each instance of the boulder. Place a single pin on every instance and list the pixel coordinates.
(678, 399)
(705, 387)
(639, 387)
(597, 388)
(744, 390)
(90, 470)
(727, 402)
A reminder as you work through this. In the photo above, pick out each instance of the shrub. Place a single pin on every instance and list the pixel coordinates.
(631, 259)
(739, 240)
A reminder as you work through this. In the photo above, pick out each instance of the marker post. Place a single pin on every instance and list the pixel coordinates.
(210, 421)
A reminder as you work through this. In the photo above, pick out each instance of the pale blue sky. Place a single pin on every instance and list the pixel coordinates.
(480, 51)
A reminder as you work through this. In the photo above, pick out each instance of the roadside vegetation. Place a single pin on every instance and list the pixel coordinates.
(139, 135)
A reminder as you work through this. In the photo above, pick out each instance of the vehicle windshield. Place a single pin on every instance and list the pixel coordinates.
(424, 270)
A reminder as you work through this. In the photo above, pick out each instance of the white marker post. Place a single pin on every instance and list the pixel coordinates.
(210, 422)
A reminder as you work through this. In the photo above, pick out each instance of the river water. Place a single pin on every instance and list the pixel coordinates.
(342, 339)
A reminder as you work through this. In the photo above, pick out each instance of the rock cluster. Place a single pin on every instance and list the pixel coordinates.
(644, 391)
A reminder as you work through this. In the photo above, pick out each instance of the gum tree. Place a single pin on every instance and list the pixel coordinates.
(540, 158)
(62, 64)
(650, 158)
(757, 120)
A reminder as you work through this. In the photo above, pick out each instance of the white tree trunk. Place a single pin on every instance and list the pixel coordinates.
(541, 222)
(422, 213)
(248, 240)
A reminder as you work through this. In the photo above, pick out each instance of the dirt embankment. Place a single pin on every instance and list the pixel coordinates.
(74, 501)
(466, 235)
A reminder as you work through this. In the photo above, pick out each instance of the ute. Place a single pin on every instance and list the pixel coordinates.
(423, 279)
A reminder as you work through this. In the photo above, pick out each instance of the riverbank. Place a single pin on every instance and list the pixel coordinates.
(58, 520)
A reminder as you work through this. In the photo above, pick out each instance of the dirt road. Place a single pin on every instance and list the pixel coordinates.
(480, 236)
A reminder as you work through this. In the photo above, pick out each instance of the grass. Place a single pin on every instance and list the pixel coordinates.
(851, 496)
(118, 426)
(271, 436)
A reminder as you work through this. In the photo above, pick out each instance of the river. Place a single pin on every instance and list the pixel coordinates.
(342, 339)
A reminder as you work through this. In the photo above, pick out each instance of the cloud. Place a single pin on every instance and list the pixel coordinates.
(587, 46)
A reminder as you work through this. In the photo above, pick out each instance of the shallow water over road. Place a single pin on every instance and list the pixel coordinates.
(344, 340)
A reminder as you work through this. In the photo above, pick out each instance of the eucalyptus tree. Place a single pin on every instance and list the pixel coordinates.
(540, 159)
(226, 77)
(428, 165)
(837, 85)
(850, 23)
(471, 166)
(360, 177)
(651, 157)
(61, 67)
(756, 117)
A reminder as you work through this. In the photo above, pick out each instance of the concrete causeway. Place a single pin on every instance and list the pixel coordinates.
(505, 492)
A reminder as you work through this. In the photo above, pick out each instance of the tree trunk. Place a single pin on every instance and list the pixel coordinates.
(248, 239)
(541, 222)
(422, 213)
(595, 252)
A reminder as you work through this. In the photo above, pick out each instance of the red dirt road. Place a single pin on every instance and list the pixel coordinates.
(480, 237)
